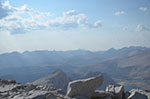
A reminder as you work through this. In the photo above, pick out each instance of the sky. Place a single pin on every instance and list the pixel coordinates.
(73, 24)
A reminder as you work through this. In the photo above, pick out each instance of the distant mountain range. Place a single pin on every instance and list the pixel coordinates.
(128, 66)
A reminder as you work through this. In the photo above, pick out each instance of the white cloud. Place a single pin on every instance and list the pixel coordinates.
(3, 11)
(144, 9)
(21, 19)
(141, 28)
(118, 13)
(70, 13)
(24, 19)
(73, 19)
(125, 28)
(97, 24)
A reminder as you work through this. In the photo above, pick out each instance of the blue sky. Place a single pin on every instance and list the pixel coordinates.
(73, 24)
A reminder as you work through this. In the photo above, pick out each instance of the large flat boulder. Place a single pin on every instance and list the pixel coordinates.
(84, 87)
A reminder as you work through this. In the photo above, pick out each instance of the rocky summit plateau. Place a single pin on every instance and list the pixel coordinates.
(77, 89)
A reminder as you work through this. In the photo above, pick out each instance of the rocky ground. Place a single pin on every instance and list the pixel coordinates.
(10, 89)
(78, 89)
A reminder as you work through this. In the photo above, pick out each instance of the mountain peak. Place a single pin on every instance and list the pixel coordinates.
(57, 79)
(58, 71)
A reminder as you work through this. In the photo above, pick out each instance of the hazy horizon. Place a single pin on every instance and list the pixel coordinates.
(76, 49)
(69, 25)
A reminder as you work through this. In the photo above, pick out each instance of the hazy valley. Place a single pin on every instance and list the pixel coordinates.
(127, 66)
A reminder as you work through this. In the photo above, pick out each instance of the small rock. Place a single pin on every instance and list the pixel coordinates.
(117, 91)
(137, 95)
(110, 88)
(12, 82)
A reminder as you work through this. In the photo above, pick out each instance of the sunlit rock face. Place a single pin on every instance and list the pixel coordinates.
(84, 87)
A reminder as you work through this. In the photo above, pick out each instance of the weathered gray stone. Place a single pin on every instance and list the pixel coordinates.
(117, 91)
(127, 94)
(80, 97)
(101, 95)
(84, 87)
(10, 89)
(137, 95)
(110, 88)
